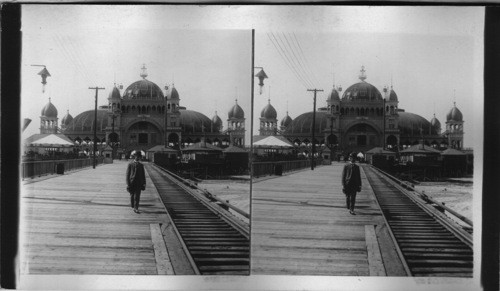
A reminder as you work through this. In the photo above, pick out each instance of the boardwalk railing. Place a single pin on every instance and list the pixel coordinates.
(277, 168)
(34, 169)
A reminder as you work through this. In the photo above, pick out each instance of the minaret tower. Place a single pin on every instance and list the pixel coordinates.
(455, 128)
(236, 125)
(173, 135)
(268, 121)
(48, 119)
(332, 133)
(391, 116)
(113, 131)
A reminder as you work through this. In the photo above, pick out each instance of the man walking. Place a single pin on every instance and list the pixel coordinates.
(136, 180)
(351, 182)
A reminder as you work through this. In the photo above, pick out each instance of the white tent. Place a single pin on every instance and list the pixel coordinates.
(272, 141)
(52, 140)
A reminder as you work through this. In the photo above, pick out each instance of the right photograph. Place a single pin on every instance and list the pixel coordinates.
(363, 153)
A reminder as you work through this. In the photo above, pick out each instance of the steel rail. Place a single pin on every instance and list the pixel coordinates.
(424, 236)
(451, 225)
(243, 227)
(211, 243)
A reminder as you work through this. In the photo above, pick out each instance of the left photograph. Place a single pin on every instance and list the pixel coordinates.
(135, 143)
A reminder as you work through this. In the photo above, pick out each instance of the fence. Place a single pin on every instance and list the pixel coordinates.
(34, 169)
(277, 168)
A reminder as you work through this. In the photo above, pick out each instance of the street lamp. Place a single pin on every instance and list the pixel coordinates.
(261, 75)
(44, 74)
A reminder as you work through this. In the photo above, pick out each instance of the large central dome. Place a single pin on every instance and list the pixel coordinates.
(143, 90)
(362, 91)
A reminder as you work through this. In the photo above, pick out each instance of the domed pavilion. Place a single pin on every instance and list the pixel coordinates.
(143, 116)
(364, 117)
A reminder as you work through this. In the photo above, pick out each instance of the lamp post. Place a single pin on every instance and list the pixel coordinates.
(261, 75)
(95, 123)
(113, 136)
(313, 146)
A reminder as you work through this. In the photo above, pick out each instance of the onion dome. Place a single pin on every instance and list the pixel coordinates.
(236, 112)
(454, 114)
(67, 118)
(362, 91)
(393, 96)
(84, 122)
(49, 110)
(413, 124)
(194, 122)
(435, 122)
(334, 96)
(217, 122)
(286, 121)
(172, 93)
(115, 94)
(143, 90)
(303, 123)
(268, 112)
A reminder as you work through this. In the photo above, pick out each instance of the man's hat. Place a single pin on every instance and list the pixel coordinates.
(137, 153)
(352, 155)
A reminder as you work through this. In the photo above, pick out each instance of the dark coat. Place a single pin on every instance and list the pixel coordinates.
(351, 178)
(136, 177)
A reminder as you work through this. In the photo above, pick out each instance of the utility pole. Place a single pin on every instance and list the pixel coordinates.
(95, 122)
(313, 147)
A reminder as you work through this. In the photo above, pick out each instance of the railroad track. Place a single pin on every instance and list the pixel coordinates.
(429, 247)
(214, 240)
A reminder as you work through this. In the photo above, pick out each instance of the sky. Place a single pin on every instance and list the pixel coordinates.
(210, 68)
(431, 55)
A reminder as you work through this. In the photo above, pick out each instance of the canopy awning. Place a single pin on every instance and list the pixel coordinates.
(272, 141)
(452, 152)
(53, 140)
(161, 148)
(380, 150)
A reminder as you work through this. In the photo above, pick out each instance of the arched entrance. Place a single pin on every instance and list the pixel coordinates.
(142, 134)
(361, 137)
(391, 141)
(173, 140)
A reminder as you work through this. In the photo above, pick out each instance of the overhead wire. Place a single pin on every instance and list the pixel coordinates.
(78, 51)
(293, 62)
(71, 58)
(299, 62)
(296, 63)
(285, 58)
(313, 74)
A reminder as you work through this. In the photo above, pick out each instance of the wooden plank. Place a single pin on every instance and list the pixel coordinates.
(300, 225)
(74, 226)
(375, 262)
(163, 264)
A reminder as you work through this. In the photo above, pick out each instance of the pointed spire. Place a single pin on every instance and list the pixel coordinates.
(333, 78)
(269, 97)
(362, 75)
(144, 72)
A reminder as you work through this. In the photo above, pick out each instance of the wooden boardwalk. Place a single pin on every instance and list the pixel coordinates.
(82, 223)
(301, 226)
